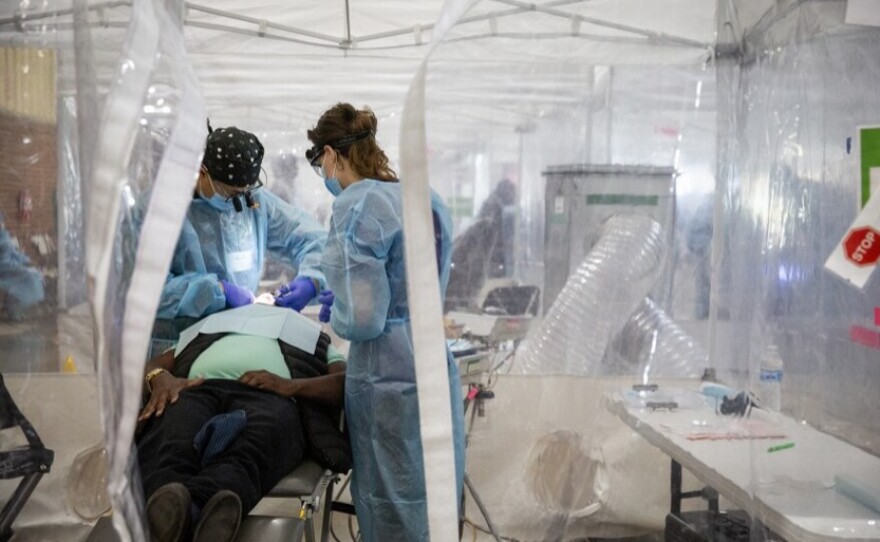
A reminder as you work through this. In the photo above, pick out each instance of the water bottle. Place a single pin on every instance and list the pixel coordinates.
(770, 389)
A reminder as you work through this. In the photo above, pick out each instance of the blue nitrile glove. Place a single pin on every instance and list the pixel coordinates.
(326, 299)
(297, 294)
(236, 296)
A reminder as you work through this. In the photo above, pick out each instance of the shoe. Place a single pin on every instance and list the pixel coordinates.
(168, 513)
(220, 518)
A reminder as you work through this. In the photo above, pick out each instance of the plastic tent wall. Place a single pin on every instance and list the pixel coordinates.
(751, 102)
(788, 193)
(785, 92)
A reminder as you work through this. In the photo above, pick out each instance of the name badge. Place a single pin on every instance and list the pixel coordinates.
(241, 261)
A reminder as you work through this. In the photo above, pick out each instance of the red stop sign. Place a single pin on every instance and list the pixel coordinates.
(862, 246)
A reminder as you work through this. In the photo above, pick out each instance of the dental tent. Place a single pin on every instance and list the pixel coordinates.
(644, 194)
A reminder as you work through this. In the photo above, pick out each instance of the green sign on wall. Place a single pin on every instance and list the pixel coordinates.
(869, 149)
(621, 199)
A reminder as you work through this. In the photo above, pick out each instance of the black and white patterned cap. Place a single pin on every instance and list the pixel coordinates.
(233, 156)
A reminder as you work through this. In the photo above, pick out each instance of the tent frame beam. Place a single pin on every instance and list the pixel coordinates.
(347, 24)
(348, 42)
(263, 24)
(20, 19)
(463, 20)
(258, 34)
(656, 36)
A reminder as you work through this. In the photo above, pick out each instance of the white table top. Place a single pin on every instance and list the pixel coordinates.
(790, 491)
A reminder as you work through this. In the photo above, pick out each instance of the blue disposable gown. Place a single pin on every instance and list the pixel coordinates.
(364, 264)
(20, 284)
(219, 243)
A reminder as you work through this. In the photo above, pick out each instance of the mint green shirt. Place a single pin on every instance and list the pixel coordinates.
(234, 355)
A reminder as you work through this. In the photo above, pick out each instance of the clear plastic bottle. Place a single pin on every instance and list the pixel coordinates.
(770, 387)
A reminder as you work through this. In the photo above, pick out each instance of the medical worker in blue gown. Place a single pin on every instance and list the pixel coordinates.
(364, 265)
(230, 225)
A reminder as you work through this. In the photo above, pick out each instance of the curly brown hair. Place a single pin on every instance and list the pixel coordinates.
(365, 156)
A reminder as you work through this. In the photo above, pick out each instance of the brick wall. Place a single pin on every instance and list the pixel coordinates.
(28, 161)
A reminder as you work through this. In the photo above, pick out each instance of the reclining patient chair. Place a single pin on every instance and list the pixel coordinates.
(30, 462)
(313, 486)
(310, 483)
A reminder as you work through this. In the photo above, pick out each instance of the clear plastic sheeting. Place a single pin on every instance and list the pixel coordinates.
(72, 281)
(563, 470)
(29, 245)
(599, 297)
(789, 187)
(147, 153)
(87, 484)
(788, 196)
(64, 410)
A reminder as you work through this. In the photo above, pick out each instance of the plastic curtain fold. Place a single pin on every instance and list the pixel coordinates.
(146, 197)
(429, 347)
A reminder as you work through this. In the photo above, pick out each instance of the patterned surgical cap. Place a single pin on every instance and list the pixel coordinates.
(233, 156)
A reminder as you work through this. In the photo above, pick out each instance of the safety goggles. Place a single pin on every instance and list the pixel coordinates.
(314, 154)
(235, 194)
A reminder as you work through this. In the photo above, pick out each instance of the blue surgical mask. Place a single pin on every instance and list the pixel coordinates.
(332, 183)
(216, 201)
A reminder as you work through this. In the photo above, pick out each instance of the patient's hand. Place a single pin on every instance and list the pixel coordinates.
(166, 391)
(265, 380)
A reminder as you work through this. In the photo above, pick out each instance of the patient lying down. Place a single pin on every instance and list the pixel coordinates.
(227, 418)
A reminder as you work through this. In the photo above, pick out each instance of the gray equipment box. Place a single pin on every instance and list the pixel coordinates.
(579, 198)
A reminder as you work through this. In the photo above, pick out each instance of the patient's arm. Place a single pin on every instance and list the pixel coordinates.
(328, 389)
(165, 388)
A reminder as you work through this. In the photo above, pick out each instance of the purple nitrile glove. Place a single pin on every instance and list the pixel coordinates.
(326, 299)
(236, 296)
(297, 294)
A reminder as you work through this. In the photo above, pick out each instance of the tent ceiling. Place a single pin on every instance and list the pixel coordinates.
(278, 63)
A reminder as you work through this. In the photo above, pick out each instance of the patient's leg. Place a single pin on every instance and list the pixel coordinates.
(269, 447)
(165, 451)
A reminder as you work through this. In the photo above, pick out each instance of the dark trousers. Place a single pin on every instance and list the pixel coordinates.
(269, 447)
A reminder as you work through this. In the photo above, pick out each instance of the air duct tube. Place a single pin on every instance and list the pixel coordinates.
(598, 299)
(662, 348)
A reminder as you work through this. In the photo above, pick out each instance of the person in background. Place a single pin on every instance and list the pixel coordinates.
(364, 265)
(484, 250)
(284, 171)
(699, 243)
(21, 285)
(230, 225)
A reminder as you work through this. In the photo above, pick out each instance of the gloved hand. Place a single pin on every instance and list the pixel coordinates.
(297, 294)
(326, 299)
(236, 296)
